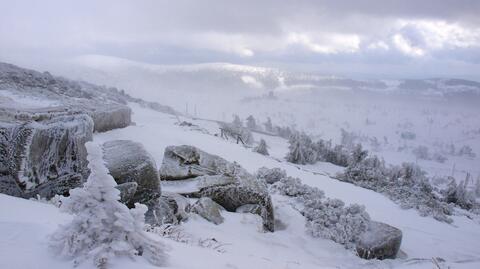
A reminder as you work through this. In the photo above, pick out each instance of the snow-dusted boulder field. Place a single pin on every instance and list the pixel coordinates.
(44, 124)
(228, 184)
(207, 200)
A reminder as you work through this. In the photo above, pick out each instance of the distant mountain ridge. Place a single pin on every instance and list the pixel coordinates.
(220, 76)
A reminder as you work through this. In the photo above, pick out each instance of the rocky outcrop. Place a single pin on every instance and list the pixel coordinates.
(228, 184)
(380, 241)
(128, 161)
(43, 157)
(111, 117)
(209, 210)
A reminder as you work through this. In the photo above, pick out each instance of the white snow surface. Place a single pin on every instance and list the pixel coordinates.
(25, 225)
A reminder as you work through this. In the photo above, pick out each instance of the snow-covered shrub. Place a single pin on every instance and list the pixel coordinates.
(262, 148)
(331, 219)
(102, 227)
(326, 218)
(270, 175)
(406, 185)
(460, 195)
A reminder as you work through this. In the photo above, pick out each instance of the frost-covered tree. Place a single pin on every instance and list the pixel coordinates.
(337, 154)
(102, 227)
(268, 125)
(347, 138)
(301, 149)
(251, 123)
(262, 148)
(285, 132)
(358, 154)
(477, 187)
(237, 122)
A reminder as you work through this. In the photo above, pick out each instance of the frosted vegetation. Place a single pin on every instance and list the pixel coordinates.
(406, 184)
(325, 217)
(103, 227)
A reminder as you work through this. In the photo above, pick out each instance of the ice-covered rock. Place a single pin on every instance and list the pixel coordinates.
(209, 210)
(128, 161)
(176, 207)
(380, 241)
(43, 157)
(31, 89)
(111, 117)
(228, 184)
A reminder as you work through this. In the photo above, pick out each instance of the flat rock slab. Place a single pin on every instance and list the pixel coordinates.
(209, 210)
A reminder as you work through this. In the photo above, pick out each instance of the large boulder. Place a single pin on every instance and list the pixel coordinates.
(128, 161)
(109, 117)
(44, 156)
(209, 210)
(228, 184)
(380, 241)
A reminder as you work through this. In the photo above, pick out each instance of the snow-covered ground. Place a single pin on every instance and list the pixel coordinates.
(239, 242)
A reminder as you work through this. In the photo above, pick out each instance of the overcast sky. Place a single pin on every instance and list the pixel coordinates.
(375, 38)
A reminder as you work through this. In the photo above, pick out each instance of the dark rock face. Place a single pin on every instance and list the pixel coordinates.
(128, 161)
(44, 157)
(209, 210)
(228, 184)
(380, 241)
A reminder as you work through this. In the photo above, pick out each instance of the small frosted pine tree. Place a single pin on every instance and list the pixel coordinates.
(268, 125)
(237, 122)
(102, 226)
(262, 148)
(251, 123)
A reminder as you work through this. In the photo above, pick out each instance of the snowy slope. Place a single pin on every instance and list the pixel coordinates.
(25, 225)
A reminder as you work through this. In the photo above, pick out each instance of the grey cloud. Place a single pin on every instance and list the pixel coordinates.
(237, 31)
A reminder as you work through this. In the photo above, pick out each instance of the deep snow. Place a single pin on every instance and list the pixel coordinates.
(25, 225)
